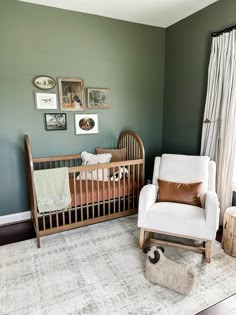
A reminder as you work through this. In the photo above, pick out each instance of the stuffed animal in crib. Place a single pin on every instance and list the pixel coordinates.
(166, 272)
(123, 172)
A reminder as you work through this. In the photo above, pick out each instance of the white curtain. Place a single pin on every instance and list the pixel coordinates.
(219, 125)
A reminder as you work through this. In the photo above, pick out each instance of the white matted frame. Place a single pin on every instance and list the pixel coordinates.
(45, 100)
(86, 124)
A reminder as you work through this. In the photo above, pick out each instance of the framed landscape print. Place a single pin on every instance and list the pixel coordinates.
(45, 100)
(71, 94)
(86, 124)
(55, 121)
(98, 98)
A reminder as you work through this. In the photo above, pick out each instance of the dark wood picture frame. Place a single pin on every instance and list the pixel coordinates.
(55, 121)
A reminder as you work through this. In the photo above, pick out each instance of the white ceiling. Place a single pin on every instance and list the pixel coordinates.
(162, 13)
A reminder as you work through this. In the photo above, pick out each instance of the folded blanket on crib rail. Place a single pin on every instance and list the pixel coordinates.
(52, 189)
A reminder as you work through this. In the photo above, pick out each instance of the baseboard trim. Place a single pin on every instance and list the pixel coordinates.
(15, 218)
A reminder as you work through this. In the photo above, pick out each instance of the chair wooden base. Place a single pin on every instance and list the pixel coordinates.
(206, 249)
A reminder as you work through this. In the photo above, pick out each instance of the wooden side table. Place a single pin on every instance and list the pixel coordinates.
(229, 232)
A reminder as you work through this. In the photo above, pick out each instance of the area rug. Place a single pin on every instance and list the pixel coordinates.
(99, 270)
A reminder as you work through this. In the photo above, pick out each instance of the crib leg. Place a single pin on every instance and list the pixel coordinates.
(38, 240)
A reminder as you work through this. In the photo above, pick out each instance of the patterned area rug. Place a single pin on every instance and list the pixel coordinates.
(99, 270)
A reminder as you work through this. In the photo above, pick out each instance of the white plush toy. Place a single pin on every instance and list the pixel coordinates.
(119, 174)
(170, 274)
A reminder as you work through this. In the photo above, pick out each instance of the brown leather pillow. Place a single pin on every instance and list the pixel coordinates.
(117, 154)
(179, 192)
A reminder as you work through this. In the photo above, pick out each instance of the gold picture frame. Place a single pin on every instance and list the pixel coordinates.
(71, 94)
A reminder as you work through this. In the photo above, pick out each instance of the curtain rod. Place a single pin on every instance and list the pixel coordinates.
(226, 30)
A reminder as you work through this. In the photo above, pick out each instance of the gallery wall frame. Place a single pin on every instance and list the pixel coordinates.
(55, 121)
(71, 94)
(98, 98)
(45, 100)
(86, 124)
(44, 82)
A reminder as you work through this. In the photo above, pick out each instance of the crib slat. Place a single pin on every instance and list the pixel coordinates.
(98, 195)
(133, 181)
(129, 186)
(50, 219)
(138, 180)
(44, 225)
(123, 179)
(92, 183)
(81, 194)
(119, 194)
(69, 214)
(114, 192)
(57, 221)
(109, 193)
(75, 196)
(86, 193)
(63, 217)
(103, 198)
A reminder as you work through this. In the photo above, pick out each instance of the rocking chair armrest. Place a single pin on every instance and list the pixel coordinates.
(147, 198)
(212, 212)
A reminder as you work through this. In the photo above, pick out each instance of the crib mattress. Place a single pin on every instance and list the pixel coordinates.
(98, 191)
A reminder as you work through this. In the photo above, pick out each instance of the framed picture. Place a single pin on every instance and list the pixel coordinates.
(98, 98)
(55, 121)
(44, 82)
(86, 124)
(45, 100)
(71, 94)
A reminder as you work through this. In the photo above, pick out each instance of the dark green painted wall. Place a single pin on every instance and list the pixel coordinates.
(188, 46)
(126, 57)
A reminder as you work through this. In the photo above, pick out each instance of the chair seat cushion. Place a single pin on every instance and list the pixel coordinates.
(177, 218)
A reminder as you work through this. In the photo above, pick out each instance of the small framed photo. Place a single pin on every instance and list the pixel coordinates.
(45, 100)
(86, 124)
(98, 98)
(55, 121)
(71, 94)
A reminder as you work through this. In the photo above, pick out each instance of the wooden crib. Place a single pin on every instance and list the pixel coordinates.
(93, 200)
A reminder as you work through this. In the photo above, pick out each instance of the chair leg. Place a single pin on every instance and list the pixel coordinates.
(141, 238)
(208, 251)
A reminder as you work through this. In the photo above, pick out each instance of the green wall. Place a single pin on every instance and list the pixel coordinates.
(126, 57)
(188, 46)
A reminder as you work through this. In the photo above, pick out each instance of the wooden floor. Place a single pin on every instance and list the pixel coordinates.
(225, 307)
(24, 230)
